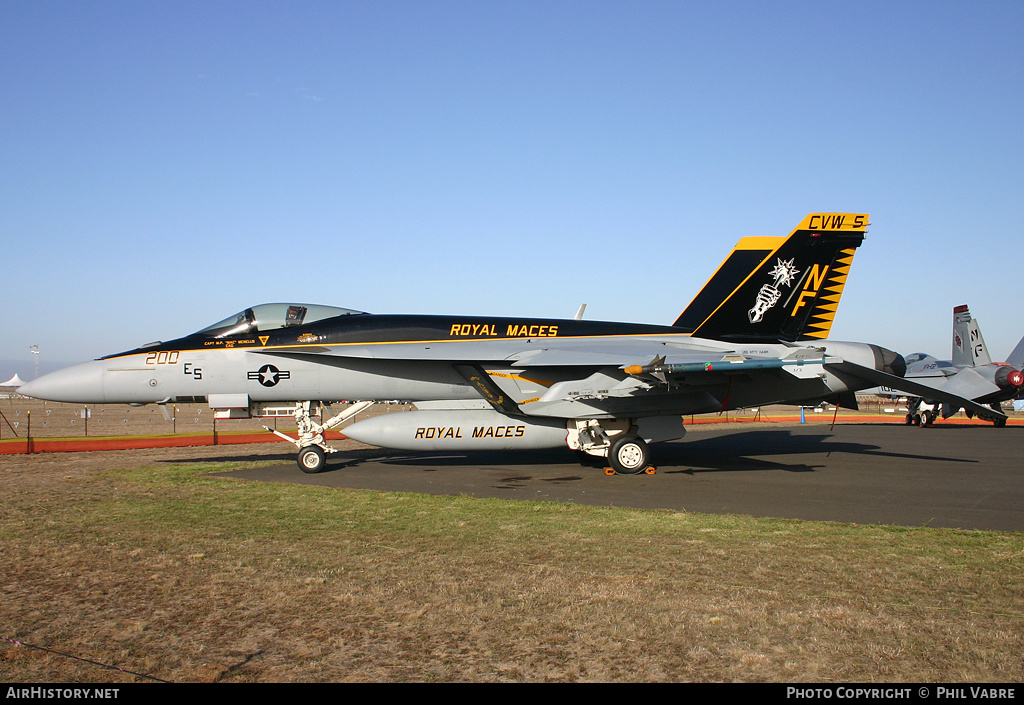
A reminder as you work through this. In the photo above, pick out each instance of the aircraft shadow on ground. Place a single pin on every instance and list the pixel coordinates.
(754, 450)
(747, 451)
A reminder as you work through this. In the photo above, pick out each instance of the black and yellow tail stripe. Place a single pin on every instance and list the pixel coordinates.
(820, 322)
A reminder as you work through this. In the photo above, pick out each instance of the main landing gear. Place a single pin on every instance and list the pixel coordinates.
(629, 455)
(924, 413)
(924, 419)
(615, 440)
(312, 457)
(921, 413)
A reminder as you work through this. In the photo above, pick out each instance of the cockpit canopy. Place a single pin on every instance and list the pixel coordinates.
(267, 317)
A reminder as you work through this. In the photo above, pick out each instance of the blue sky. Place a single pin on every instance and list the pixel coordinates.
(163, 165)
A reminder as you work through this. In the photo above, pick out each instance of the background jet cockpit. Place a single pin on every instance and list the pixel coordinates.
(272, 317)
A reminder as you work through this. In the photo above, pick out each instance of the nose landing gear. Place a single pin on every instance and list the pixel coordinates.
(312, 457)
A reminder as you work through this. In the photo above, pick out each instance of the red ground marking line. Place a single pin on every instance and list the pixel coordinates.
(14, 446)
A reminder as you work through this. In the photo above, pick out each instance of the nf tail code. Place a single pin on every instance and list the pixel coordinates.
(820, 322)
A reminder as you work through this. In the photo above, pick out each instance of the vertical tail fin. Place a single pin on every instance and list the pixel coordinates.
(745, 257)
(969, 348)
(1016, 357)
(772, 289)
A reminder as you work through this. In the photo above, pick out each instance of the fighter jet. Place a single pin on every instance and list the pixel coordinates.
(970, 373)
(753, 336)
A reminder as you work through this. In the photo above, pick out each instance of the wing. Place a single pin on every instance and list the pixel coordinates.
(628, 376)
(562, 377)
(868, 377)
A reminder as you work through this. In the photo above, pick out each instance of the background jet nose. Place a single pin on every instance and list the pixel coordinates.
(889, 361)
(81, 384)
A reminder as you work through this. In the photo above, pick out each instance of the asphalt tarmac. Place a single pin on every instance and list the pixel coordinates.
(953, 476)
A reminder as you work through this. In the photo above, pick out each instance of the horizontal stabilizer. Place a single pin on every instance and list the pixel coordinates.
(876, 377)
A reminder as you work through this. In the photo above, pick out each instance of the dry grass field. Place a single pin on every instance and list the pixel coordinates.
(131, 566)
(134, 566)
